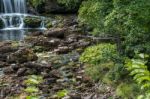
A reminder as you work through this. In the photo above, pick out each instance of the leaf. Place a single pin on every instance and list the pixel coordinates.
(31, 89)
(32, 97)
(62, 93)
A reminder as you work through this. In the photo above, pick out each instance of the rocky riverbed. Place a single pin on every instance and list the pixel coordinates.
(53, 56)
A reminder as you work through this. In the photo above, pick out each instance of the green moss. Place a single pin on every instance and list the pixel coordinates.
(32, 22)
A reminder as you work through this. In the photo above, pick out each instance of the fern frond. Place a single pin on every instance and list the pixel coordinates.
(139, 71)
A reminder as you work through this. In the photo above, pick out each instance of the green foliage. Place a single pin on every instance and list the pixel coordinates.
(99, 71)
(32, 22)
(35, 3)
(128, 18)
(131, 19)
(139, 71)
(33, 80)
(32, 97)
(103, 63)
(93, 12)
(127, 90)
(99, 53)
(31, 89)
(145, 96)
(62, 93)
(70, 4)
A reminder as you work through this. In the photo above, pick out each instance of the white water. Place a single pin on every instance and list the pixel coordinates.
(14, 6)
(12, 14)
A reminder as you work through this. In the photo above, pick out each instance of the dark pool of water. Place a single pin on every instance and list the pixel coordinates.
(15, 35)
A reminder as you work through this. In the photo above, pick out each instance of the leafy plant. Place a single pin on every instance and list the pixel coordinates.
(69, 3)
(33, 80)
(99, 53)
(35, 3)
(62, 93)
(93, 13)
(139, 70)
(128, 19)
(127, 90)
(31, 89)
(103, 63)
(32, 97)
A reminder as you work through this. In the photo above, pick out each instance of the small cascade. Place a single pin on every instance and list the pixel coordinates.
(13, 6)
(12, 15)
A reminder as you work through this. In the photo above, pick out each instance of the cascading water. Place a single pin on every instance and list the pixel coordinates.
(12, 14)
(13, 6)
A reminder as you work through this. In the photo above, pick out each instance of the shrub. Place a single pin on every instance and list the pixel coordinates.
(69, 4)
(36, 3)
(127, 90)
(99, 53)
(93, 13)
(139, 71)
(103, 63)
(126, 18)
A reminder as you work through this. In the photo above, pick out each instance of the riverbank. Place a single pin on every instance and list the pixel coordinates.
(54, 56)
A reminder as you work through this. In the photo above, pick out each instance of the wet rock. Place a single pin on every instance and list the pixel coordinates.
(63, 50)
(55, 32)
(1, 24)
(36, 65)
(3, 57)
(44, 42)
(8, 70)
(30, 71)
(75, 96)
(15, 67)
(21, 71)
(50, 81)
(7, 49)
(55, 74)
(71, 21)
(3, 64)
(71, 38)
(32, 22)
(22, 55)
(36, 33)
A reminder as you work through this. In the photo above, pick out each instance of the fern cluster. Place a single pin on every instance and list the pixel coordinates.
(139, 70)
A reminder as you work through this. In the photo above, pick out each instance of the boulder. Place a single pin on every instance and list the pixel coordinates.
(32, 22)
(21, 56)
(45, 42)
(55, 32)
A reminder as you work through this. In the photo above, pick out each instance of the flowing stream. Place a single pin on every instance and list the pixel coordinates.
(12, 14)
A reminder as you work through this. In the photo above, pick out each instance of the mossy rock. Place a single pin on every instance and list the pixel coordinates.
(48, 23)
(32, 22)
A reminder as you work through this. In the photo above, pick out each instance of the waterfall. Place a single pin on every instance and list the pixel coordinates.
(13, 6)
(12, 14)
(20, 6)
